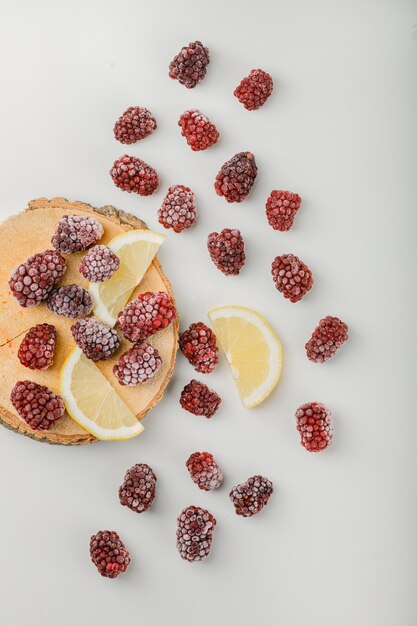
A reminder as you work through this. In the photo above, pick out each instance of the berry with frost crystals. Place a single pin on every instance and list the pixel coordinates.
(75, 233)
(326, 339)
(198, 399)
(236, 177)
(189, 66)
(254, 90)
(99, 264)
(70, 301)
(291, 277)
(204, 471)
(197, 129)
(195, 533)
(109, 554)
(134, 124)
(198, 344)
(146, 315)
(134, 175)
(250, 497)
(137, 491)
(178, 209)
(38, 347)
(36, 404)
(281, 208)
(227, 251)
(32, 281)
(315, 425)
(96, 340)
(137, 365)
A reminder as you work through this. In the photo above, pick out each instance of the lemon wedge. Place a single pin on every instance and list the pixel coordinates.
(252, 349)
(93, 403)
(135, 249)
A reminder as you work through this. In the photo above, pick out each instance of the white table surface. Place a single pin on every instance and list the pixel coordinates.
(336, 544)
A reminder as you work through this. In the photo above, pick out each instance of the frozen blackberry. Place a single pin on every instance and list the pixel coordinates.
(189, 66)
(75, 233)
(134, 175)
(315, 425)
(138, 488)
(134, 124)
(198, 344)
(254, 90)
(99, 264)
(96, 340)
(36, 404)
(227, 251)
(178, 209)
(137, 365)
(198, 399)
(146, 315)
(38, 347)
(250, 497)
(236, 177)
(281, 208)
(109, 554)
(326, 339)
(204, 471)
(32, 281)
(70, 301)
(195, 533)
(291, 277)
(197, 129)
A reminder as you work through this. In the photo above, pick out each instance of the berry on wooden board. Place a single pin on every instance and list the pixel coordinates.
(32, 281)
(37, 348)
(75, 233)
(38, 405)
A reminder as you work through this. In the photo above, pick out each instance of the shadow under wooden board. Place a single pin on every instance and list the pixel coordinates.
(29, 232)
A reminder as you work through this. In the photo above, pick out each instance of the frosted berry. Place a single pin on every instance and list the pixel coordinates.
(137, 491)
(204, 471)
(37, 348)
(75, 233)
(281, 208)
(189, 66)
(109, 554)
(146, 315)
(326, 339)
(32, 281)
(197, 129)
(198, 344)
(254, 90)
(134, 175)
(198, 399)
(70, 301)
(250, 497)
(236, 177)
(137, 365)
(36, 404)
(315, 425)
(178, 209)
(134, 124)
(227, 251)
(99, 264)
(195, 533)
(96, 340)
(291, 277)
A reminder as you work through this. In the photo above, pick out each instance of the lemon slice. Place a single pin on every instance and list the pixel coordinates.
(135, 249)
(253, 351)
(93, 403)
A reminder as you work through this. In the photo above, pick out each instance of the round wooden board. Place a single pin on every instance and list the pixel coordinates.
(22, 236)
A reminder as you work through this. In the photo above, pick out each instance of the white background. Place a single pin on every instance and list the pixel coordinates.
(336, 544)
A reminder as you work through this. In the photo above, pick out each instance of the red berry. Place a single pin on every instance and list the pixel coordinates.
(96, 340)
(281, 208)
(326, 339)
(198, 344)
(134, 124)
(315, 425)
(147, 314)
(178, 209)
(36, 404)
(137, 365)
(198, 399)
(204, 471)
(70, 301)
(137, 491)
(227, 251)
(38, 347)
(189, 66)
(195, 533)
(109, 553)
(99, 264)
(134, 175)
(250, 497)
(32, 281)
(254, 90)
(291, 277)
(75, 233)
(236, 177)
(199, 132)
